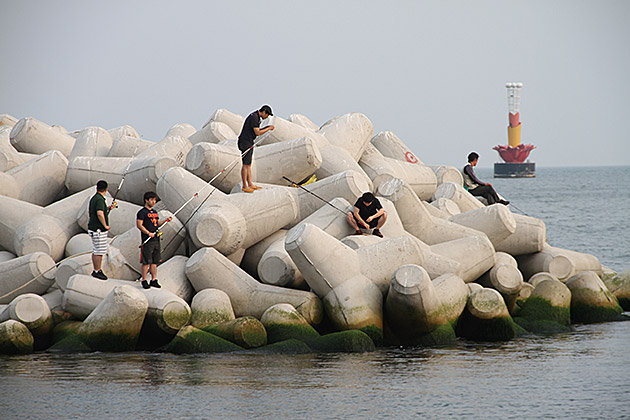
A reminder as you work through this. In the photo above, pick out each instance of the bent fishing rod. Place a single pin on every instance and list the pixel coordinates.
(311, 192)
(158, 232)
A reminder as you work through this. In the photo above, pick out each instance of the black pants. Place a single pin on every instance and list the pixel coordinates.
(487, 192)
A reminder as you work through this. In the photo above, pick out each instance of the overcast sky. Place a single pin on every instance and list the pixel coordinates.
(433, 72)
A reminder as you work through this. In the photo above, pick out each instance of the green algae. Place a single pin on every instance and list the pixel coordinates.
(496, 329)
(542, 326)
(590, 314)
(64, 329)
(107, 341)
(538, 309)
(247, 332)
(283, 332)
(291, 346)
(70, 343)
(351, 341)
(193, 340)
(375, 333)
(15, 338)
(441, 336)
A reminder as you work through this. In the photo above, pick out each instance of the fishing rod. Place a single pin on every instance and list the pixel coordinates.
(512, 204)
(311, 192)
(114, 203)
(158, 232)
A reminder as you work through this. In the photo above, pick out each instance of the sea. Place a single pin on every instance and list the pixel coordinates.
(582, 374)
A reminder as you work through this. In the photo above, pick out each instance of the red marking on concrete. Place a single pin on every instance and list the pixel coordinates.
(411, 158)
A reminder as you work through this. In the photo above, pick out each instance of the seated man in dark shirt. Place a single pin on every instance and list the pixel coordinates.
(478, 187)
(368, 213)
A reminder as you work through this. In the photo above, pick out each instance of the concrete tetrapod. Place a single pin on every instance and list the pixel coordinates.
(51, 231)
(234, 121)
(79, 244)
(32, 311)
(351, 132)
(6, 256)
(128, 146)
(619, 286)
(172, 275)
(32, 273)
(529, 236)
(40, 180)
(474, 253)
(173, 146)
(92, 141)
(123, 130)
(115, 324)
(208, 268)
(415, 217)
(193, 340)
(496, 221)
(379, 168)
(413, 309)
(547, 310)
(114, 265)
(140, 176)
(333, 271)
(15, 338)
(380, 260)
(591, 301)
(446, 206)
(284, 322)
(486, 318)
(538, 277)
(453, 294)
(209, 307)
(246, 332)
(303, 121)
(166, 311)
(213, 132)
(14, 213)
(504, 277)
(295, 159)
(390, 145)
(7, 120)
(33, 136)
(183, 130)
(455, 192)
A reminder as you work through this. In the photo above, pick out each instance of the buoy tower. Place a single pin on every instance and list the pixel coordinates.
(515, 153)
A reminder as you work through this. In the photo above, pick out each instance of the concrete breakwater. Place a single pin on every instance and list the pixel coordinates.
(277, 270)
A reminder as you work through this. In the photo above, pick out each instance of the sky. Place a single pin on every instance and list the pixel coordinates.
(432, 72)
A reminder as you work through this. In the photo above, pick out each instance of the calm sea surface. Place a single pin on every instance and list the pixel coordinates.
(584, 374)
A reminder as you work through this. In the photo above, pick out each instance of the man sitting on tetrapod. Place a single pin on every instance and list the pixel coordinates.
(368, 214)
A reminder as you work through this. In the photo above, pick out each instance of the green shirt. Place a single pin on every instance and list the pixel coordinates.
(98, 203)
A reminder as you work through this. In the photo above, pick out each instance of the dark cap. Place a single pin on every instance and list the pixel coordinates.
(267, 109)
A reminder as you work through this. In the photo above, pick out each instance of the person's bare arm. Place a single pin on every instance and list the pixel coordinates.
(144, 230)
(101, 217)
(260, 131)
(356, 214)
(376, 215)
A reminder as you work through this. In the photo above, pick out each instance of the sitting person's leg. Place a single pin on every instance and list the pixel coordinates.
(353, 222)
(486, 192)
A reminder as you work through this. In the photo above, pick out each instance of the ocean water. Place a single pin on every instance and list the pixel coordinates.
(583, 374)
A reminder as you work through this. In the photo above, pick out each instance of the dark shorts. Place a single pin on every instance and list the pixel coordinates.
(247, 157)
(372, 224)
(150, 253)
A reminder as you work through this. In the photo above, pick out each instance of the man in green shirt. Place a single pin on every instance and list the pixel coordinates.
(98, 226)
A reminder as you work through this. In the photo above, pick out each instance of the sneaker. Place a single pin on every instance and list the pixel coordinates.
(154, 283)
(358, 232)
(504, 202)
(247, 190)
(256, 187)
(377, 233)
(145, 284)
(99, 275)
